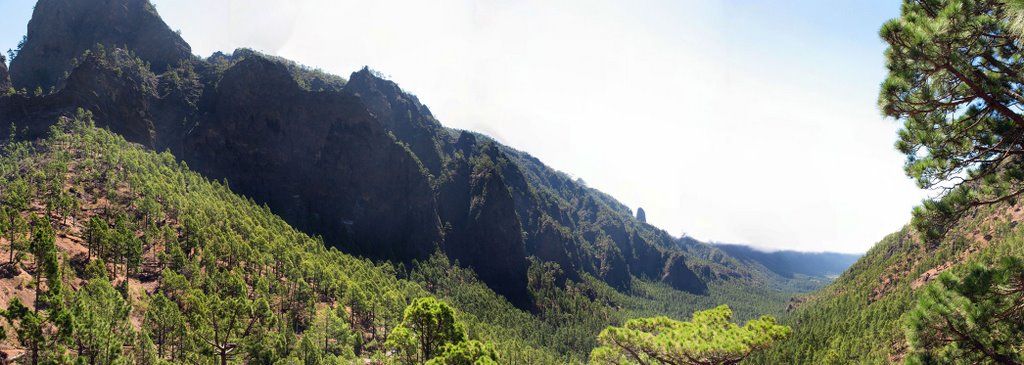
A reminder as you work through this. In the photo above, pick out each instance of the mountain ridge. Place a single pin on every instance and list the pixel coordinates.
(358, 161)
(790, 262)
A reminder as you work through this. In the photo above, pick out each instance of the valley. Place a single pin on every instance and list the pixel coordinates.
(157, 206)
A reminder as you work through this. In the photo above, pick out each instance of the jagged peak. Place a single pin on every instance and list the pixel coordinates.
(367, 80)
(61, 30)
(308, 78)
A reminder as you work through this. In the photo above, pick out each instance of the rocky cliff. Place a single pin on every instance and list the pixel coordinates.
(60, 30)
(363, 164)
(320, 159)
(5, 77)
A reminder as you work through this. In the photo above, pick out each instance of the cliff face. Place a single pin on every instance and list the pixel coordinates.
(5, 77)
(60, 30)
(561, 220)
(319, 159)
(363, 163)
(403, 115)
(113, 86)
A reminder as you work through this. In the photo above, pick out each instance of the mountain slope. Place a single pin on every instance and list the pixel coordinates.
(169, 234)
(859, 317)
(362, 163)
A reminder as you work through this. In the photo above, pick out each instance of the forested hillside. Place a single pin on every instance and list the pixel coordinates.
(358, 161)
(115, 246)
(110, 238)
(860, 317)
(302, 217)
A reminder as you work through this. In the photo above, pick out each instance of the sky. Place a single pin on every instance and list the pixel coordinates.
(741, 121)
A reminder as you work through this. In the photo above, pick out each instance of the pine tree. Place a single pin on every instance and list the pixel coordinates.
(96, 236)
(17, 196)
(709, 338)
(330, 332)
(955, 81)
(429, 324)
(101, 322)
(44, 329)
(164, 324)
(470, 352)
(974, 320)
(146, 352)
(223, 315)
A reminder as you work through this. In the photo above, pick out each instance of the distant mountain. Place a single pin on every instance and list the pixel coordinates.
(790, 263)
(360, 162)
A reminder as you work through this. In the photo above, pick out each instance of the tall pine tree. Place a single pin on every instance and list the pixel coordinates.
(955, 82)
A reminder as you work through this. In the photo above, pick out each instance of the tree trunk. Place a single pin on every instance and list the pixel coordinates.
(12, 239)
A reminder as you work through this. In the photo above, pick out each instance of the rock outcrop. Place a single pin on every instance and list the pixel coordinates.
(5, 77)
(111, 85)
(677, 274)
(61, 30)
(319, 159)
(641, 215)
(402, 114)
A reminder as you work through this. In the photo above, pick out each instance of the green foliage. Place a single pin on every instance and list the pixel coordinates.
(1015, 13)
(13, 53)
(307, 78)
(29, 326)
(331, 335)
(846, 322)
(973, 320)
(97, 236)
(402, 343)
(571, 313)
(470, 352)
(43, 332)
(431, 324)
(165, 326)
(859, 318)
(709, 338)
(101, 326)
(223, 314)
(953, 81)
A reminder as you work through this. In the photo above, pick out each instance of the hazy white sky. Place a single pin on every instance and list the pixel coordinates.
(747, 121)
